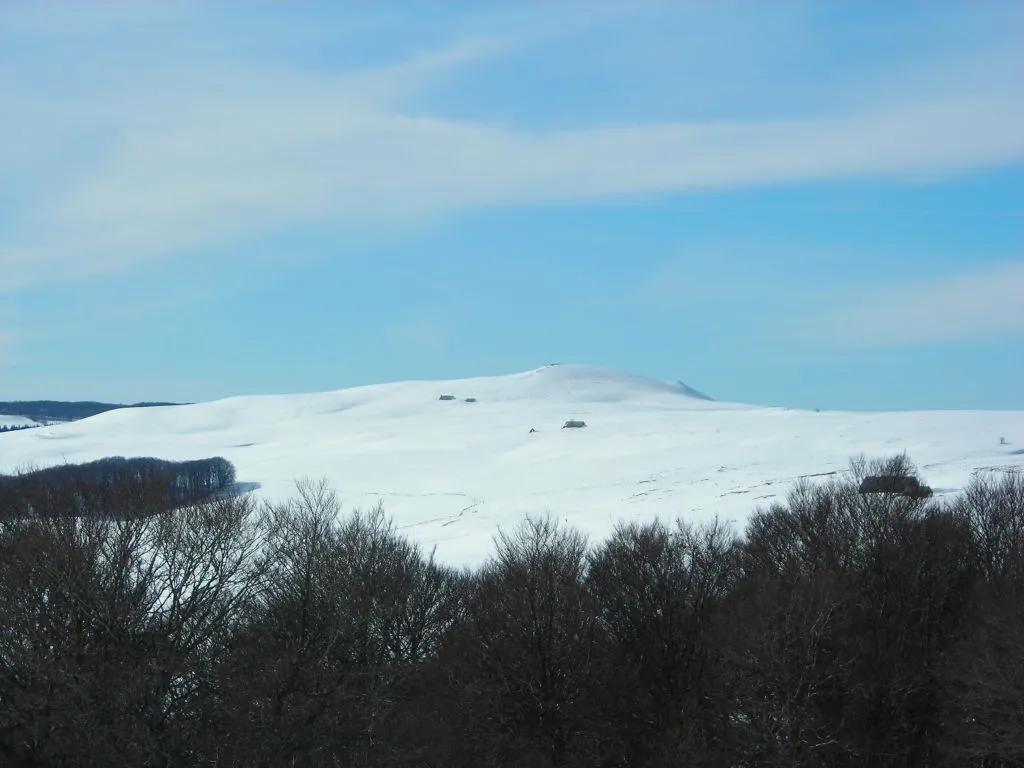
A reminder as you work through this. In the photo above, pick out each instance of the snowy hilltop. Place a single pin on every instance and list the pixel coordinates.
(451, 461)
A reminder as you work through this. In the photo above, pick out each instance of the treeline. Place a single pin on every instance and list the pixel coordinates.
(59, 410)
(15, 427)
(842, 629)
(114, 487)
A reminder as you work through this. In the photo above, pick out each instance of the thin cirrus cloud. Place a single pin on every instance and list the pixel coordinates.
(979, 304)
(259, 154)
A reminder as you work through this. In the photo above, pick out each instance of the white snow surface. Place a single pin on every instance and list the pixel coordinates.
(449, 473)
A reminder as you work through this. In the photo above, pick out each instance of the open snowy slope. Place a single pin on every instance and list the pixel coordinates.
(451, 472)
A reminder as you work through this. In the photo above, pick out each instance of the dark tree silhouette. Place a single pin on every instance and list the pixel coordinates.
(986, 669)
(114, 487)
(524, 656)
(147, 618)
(655, 591)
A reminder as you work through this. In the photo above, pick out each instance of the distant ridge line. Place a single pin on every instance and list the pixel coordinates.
(66, 410)
(691, 392)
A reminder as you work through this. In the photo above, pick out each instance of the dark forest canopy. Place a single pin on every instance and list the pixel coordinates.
(840, 630)
(113, 487)
(59, 410)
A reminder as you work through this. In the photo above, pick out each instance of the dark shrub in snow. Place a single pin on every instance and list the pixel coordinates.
(904, 486)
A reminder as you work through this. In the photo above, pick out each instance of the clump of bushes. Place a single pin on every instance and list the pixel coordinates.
(904, 486)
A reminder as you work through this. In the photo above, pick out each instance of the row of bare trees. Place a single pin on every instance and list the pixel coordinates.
(841, 629)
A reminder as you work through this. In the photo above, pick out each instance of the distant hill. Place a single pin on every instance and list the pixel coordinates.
(58, 410)
(452, 472)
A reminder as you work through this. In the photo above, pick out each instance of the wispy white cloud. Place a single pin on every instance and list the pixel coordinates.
(219, 157)
(984, 303)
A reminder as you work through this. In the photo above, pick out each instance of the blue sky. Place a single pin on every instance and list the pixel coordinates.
(805, 204)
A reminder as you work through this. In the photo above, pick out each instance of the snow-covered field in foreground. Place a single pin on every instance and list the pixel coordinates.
(450, 472)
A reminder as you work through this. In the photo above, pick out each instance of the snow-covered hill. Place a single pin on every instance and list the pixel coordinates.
(451, 472)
